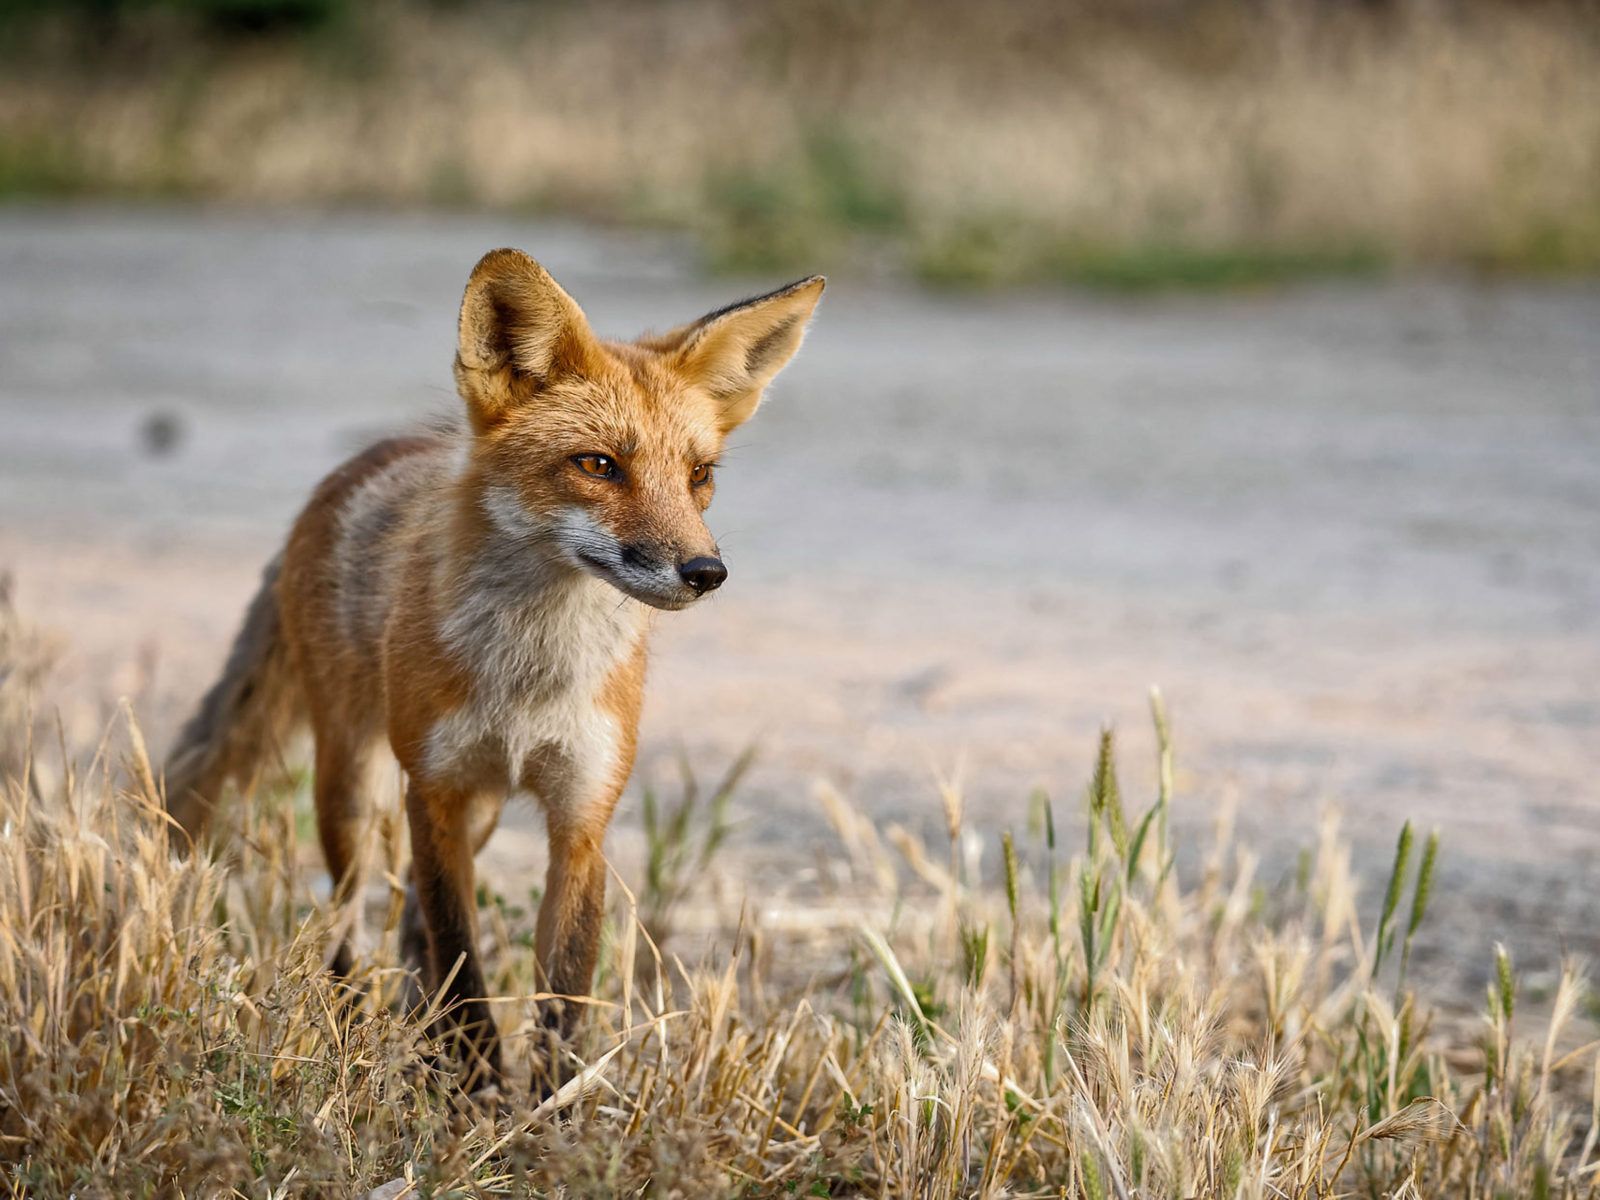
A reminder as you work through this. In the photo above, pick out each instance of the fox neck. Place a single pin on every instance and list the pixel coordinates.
(528, 622)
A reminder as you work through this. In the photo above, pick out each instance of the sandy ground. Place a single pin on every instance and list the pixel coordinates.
(1353, 531)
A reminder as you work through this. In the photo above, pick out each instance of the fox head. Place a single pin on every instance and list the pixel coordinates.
(603, 454)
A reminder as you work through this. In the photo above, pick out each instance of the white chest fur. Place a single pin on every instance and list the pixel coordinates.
(539, 641)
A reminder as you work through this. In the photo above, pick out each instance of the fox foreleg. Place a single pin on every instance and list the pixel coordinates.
(578, 801)
(442, 848)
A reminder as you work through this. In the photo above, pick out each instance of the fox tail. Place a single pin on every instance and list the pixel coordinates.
(238, 729)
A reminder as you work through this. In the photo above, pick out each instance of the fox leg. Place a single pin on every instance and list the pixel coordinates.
(193, 807)
(567, 939)
(441, 865)
(343, 793)
(413, 929)
(579, 789)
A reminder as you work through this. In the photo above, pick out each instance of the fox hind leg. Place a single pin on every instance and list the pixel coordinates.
(347, 770)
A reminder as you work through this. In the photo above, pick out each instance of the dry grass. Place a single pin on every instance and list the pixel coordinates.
(1098, 1024)
(1104, 141)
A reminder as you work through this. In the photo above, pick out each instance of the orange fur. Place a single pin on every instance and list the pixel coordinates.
(456, 596)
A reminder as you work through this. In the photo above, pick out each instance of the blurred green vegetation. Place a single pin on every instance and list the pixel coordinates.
(1086, 144)
(836, 199)
(833, 193)
(41, 168)
(987, 253)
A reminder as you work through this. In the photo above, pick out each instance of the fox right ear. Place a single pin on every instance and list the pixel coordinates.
(518, 331)
(736, 351)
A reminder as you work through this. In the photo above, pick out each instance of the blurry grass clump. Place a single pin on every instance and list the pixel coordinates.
(979, 253)
(682, 839)
(1100, 142)
(40, 166)
(1088, 1024)
(833, 195)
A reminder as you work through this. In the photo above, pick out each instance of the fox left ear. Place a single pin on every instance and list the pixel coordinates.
(735, 352)
(518, 331)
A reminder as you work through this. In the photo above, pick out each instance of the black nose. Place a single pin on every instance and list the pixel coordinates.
(703, 574)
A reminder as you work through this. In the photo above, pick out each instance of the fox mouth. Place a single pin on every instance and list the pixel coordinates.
(629, 583)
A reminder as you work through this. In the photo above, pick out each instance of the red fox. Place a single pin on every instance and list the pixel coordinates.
(479, 600)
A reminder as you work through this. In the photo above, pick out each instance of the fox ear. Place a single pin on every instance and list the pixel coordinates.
(518, 331)
(736, 351)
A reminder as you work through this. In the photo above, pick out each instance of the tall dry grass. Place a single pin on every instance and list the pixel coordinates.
(1094, 1022)
(1105, 140)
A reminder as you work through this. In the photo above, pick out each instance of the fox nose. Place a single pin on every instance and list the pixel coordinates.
(703, 574)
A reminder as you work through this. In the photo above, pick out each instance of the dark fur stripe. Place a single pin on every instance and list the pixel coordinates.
(748, 301)
(768, 344)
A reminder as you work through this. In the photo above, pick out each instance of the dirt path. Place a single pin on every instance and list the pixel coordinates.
(1353, 531)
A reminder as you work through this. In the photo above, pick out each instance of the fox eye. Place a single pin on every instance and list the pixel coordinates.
(601, 466)
(700, 475)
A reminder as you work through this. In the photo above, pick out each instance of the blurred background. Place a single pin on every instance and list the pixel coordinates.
(1248, 349)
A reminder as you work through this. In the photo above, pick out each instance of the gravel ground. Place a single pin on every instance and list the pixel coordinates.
(1352, 530)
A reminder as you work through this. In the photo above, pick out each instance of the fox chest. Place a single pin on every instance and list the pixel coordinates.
(542, 711)
(515, 745)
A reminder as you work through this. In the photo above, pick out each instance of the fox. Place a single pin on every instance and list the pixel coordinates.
(474, 603)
